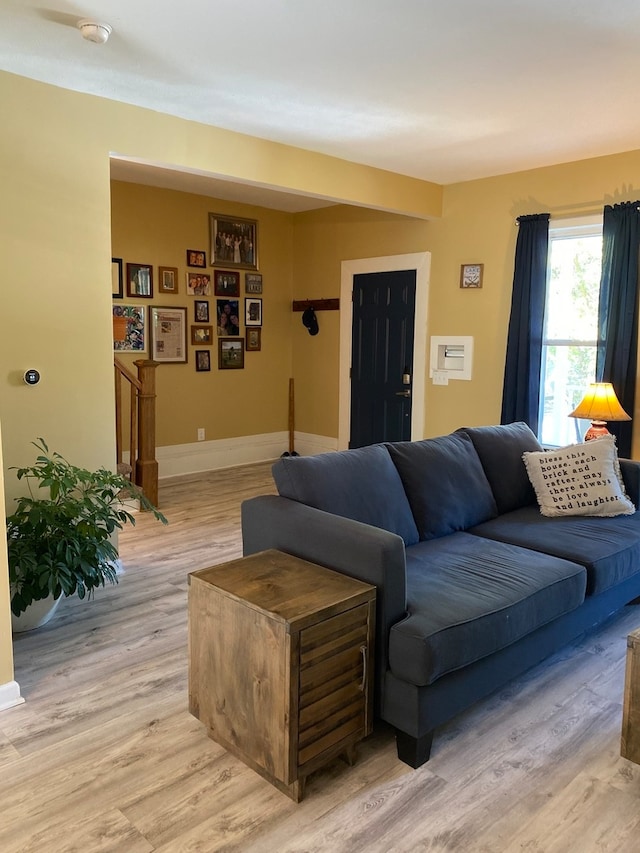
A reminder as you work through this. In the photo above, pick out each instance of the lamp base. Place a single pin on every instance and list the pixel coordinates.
(596, 430)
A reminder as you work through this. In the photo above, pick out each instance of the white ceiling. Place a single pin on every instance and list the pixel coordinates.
(443, 90)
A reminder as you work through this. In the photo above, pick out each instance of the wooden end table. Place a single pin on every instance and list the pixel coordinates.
(281, 663)
(630, 745)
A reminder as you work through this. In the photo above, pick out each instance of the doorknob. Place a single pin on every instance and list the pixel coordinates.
(406, 381)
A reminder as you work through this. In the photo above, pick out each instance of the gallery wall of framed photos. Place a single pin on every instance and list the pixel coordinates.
(204, 292)
(161, 331)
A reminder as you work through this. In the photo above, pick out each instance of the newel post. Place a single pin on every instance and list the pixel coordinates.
(146, 475)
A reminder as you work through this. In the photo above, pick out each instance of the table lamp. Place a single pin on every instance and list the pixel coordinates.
(599, 405)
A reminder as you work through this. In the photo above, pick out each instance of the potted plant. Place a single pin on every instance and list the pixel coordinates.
(61, 544)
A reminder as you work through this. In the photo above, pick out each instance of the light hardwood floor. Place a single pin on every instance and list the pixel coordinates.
(104, 755)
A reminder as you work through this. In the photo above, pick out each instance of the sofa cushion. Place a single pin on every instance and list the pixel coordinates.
(445, 484)
(630, 470)
(582, 479)
(609, 548)
(468, 597)
(500, 449)
(362, 484)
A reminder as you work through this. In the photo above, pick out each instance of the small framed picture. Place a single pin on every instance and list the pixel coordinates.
(226, 283)
(203, 360)
(252, 311)
(228, 319)
(202, 335)
(230, 354)
(201, 311)
(196, 258)
(167, 279)
(129, 328)
(252, 282)
(168, 335)
(198, 284)
(471, 275)
(117, 282)
(253, 339)
(233, 242)
(140, 280)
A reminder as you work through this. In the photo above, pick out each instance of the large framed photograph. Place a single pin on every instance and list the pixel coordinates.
(230, 354)
(252, 311)
(168, 335)
(167, 279)
(140, 280)
(234, 242)
(117, 283)
(252, 282)
(226, 283)
(228, 317)
(129, 328)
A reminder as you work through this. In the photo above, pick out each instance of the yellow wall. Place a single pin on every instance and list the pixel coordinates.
(55, 228)
(226, 403)
(322, 240)
(478, 226)
(300, 257)
(6, 650)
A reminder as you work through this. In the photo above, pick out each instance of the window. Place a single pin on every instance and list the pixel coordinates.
(570, 335)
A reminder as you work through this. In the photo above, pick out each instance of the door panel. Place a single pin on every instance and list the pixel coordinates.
(382, 353)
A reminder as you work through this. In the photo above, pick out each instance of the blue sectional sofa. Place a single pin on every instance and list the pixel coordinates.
(474, 584)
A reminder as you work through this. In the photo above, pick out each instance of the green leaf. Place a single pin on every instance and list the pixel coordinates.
(60, 543)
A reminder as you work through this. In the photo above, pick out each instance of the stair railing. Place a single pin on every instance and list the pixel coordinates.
(143, 468)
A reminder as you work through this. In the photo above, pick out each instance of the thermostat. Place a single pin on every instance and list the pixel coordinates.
(31, 376)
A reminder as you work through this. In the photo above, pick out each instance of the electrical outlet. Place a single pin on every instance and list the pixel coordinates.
(201, 434)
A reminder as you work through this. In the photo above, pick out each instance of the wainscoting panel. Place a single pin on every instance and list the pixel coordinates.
(10, 695)
(178, 459)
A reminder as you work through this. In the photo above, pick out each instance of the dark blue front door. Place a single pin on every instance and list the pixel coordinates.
(382, 356)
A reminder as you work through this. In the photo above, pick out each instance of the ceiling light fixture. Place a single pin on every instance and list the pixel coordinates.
(94, 31)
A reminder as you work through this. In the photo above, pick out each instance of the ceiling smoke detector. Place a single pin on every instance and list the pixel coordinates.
(94, 31)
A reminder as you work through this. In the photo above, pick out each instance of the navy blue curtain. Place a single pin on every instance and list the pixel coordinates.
(618, 311)
(521, 389)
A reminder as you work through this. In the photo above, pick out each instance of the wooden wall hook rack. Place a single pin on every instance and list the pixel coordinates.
(316, 304)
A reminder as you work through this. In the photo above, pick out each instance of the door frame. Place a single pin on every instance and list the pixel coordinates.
(421, 263)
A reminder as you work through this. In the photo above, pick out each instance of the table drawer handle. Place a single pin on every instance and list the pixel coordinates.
(363, 652)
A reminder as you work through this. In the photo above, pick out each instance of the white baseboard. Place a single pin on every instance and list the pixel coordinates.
(10, 695)
(307, 444)
(179, 459)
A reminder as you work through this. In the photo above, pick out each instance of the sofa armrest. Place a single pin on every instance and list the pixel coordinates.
(630, 470)
(355, 549)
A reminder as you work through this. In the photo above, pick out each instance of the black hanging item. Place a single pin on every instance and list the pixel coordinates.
(310, 321)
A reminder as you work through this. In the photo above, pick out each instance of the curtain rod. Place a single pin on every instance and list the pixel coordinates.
(591, 210)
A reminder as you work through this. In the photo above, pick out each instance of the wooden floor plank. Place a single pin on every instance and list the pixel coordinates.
(77, 833)
(104, 756)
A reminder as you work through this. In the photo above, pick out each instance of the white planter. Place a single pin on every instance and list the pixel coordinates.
(37, 614)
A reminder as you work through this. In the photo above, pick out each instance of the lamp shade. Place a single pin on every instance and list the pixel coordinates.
(600, 404)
